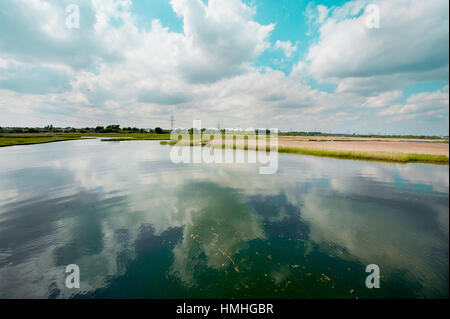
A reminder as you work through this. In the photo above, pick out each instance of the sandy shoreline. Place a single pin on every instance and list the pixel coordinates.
(370, 145)
(367, 145)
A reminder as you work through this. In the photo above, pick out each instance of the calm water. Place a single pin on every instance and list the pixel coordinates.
(139, 226)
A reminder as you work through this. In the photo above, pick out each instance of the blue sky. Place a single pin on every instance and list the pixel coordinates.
(292, 64)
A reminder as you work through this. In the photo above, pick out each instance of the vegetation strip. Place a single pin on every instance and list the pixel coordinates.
(158, 137)
(30, 138)
(22, 139)
(11, 141)
(374, 156)
(353, 155)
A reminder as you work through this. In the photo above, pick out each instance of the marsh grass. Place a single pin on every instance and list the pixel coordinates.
(396, 157)
(155, 137)
(39, 138)
(374, 156)
(28, 140)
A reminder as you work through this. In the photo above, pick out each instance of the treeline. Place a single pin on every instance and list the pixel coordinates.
(24, 130)
(98, 129)
(213, 131)
(306, 134)
(159, 130)
(118, 129)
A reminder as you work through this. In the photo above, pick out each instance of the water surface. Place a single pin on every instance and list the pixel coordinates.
(139, 226)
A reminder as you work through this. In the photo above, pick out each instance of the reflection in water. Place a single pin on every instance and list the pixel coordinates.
(220, 226)
(134, 222)
(394, 235)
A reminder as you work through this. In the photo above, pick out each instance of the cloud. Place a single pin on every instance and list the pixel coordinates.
(106, 64)
(347, 49)
(158, 97)
(287, 47)
(383, 99)
(377, 84)
(315, 15)
(221, 38)
(425, 103)
(34, 78)
(112, 71)
(35, 31)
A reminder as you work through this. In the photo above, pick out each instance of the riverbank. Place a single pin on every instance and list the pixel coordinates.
(372, 156)
(385, 150)
(390, 150)
(41, 138)
(155, 137)
(394, 145)
(28, 140)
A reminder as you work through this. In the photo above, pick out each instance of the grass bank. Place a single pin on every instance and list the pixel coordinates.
(28, 140)
(154, 137)
(128, 135)
(373, 156)
(396, 157)
(10, 139)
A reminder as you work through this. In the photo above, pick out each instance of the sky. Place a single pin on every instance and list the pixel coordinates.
(293, 65)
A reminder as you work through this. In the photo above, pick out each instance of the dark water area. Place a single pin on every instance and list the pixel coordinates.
(139, 226)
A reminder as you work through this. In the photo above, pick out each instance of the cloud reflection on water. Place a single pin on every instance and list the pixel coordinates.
(86, 201)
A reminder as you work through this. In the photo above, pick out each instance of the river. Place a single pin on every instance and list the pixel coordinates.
(140, 226)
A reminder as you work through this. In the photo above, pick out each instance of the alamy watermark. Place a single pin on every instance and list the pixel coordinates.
(73, 279)
(372, 12)
(373, 279)
(73, 16)
(215, 146)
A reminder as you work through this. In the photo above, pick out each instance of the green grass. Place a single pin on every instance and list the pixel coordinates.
(374, 156)
(168, 142)
(134, 135)
(181, 143)
(39, 138)
(25, 140)
(434, 142)
(353, 155)
(154, 137)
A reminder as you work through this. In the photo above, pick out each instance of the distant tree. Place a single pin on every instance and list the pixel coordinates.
(158, 130)
(112, 128)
